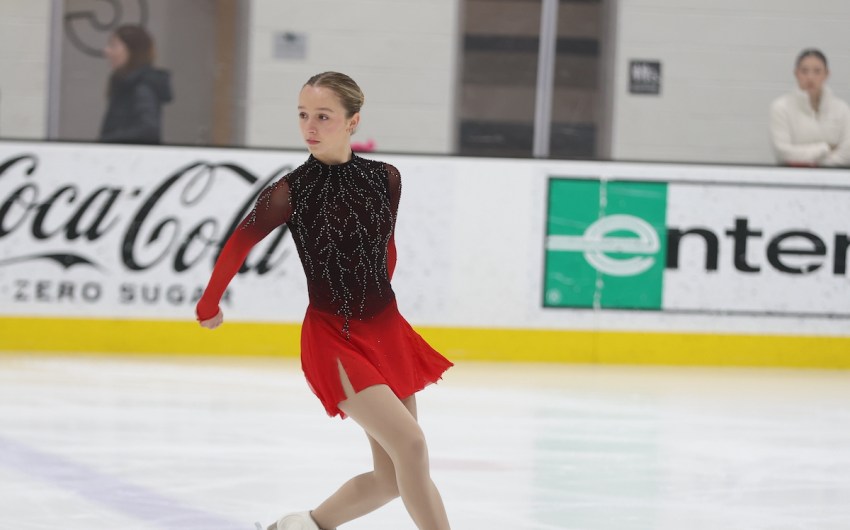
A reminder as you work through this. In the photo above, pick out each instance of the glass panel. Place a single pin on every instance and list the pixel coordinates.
(576, 100)
(199, 76)
(499, 74)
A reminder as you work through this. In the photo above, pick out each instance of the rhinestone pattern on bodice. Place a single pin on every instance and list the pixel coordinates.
(342, 221)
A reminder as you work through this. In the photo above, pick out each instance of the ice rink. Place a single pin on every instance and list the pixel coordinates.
(96, 442)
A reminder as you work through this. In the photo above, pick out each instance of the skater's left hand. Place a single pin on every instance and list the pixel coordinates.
(214, 322)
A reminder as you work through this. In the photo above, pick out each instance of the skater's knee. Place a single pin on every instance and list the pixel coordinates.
(412, 449)
(386, 486)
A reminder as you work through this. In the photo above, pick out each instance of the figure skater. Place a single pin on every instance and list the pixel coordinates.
(359, 355)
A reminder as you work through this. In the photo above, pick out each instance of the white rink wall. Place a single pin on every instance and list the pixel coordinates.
(131, 233)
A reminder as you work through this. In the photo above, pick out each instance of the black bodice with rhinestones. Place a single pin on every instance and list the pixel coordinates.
(342, 221)
(341, 218)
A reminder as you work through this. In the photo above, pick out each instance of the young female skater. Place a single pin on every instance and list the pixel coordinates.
(359, 355)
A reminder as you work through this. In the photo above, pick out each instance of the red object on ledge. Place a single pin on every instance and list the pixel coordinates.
(363, 147)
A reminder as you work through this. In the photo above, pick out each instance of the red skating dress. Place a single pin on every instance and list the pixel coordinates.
(342, 219)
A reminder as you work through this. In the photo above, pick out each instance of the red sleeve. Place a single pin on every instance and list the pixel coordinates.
(271, 210)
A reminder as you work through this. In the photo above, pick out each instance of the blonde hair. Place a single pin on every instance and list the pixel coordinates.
(349, 93)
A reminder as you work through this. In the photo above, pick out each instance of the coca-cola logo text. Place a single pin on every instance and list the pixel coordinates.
(160, 222)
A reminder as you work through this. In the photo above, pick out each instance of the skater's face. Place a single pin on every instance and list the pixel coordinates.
(811, 74)
(116, 52)
(324, 124)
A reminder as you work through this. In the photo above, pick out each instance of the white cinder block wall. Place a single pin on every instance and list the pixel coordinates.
(401, 52)
(723, 62)
(24, 58)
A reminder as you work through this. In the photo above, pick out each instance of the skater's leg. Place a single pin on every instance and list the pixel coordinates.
(363, 493)
(383, 417)
(369, 491)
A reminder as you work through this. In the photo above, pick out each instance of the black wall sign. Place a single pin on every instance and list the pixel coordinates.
(645, 77)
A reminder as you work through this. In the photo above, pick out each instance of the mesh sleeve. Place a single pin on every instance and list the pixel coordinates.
(272, 209)
(394, 181)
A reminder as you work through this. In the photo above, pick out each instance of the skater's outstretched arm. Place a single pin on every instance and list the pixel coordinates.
(271, 210)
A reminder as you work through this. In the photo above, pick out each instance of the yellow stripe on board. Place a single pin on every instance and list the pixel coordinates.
(148, 336)
(459, 344)
(613, 347)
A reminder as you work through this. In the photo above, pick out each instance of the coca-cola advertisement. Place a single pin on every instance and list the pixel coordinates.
(98, 231)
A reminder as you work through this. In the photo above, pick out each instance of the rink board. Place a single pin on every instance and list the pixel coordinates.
(106, 248)
(242, 339)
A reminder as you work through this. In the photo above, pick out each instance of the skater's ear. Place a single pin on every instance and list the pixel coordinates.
(353, 122)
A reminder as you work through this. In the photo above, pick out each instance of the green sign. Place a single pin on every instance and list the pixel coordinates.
(605, 244)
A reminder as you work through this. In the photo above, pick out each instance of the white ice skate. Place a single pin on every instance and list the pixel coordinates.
(295, 521)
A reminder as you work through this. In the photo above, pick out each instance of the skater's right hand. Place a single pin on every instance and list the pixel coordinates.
(213, 322)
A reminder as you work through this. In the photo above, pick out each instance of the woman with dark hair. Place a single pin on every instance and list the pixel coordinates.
(811, 126)
(136, 89)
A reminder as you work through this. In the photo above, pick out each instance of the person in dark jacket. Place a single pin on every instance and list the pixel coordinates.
(136, 89)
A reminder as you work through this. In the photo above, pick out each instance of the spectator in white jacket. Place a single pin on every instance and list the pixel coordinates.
(811, 126)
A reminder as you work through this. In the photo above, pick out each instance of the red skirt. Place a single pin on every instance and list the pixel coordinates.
(384, 350)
